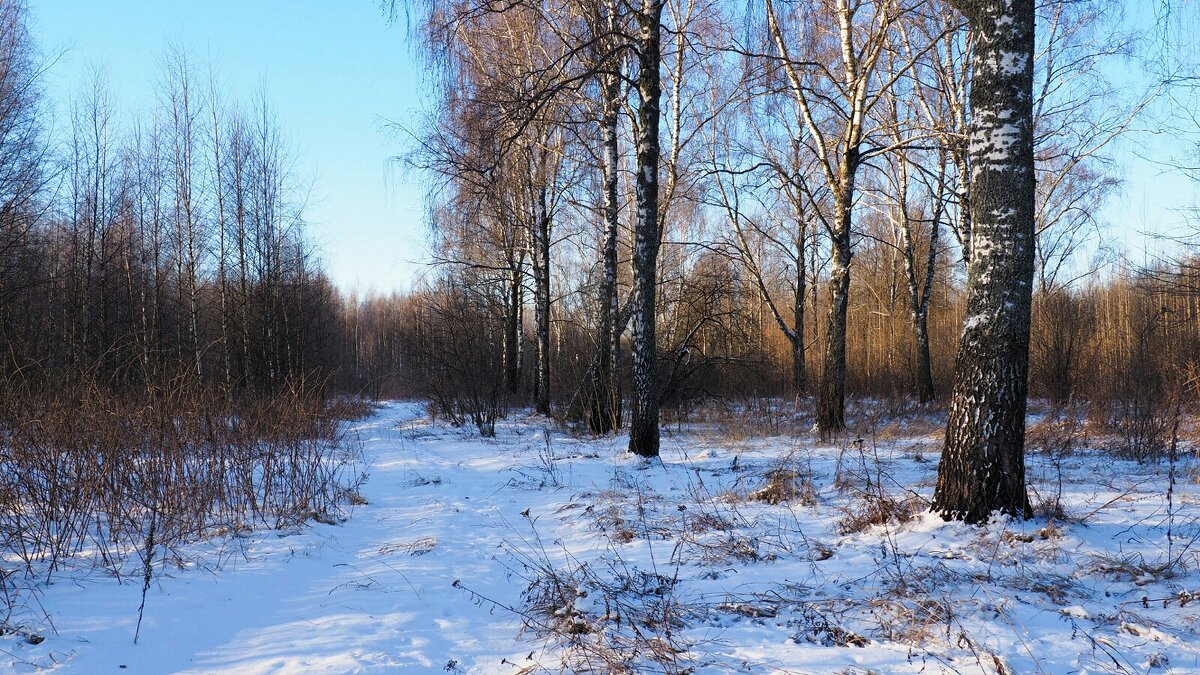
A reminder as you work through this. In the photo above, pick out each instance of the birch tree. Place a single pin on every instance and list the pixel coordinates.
(602, 387)
(647, 236)
(837, 77)
(915, 201)
(982, 469)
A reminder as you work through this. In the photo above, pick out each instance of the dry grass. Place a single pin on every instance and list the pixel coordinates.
(786, 485)
(89, 477)
(1135, 568)
(872, 510)
(729, 548)
(910, 619)
(638, 624)
(414, 548)
(739, 420)
(744, 516)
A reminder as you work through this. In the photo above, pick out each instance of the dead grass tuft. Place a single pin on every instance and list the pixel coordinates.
(414, 548)
(785, 485)
(872, 510)
(1134, 568)
(911, 620)
(706, 521)
(729, 548)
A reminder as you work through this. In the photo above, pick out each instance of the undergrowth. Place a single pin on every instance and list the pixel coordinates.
(90, 479)
(660, 584)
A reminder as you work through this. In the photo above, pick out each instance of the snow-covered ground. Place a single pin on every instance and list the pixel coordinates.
(540, 550)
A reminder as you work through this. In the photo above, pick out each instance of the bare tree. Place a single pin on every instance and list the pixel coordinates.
(647, 235)
(766, 200)
(834, 96)
(25, 159)
(915, 201)
(982, 469)
(183, 112)
(95, 192)
(1078, 113)
(216, 148)
(602, 387)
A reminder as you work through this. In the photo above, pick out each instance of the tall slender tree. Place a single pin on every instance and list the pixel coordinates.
(647, 235)
(603, 392)
(837, 79)
(982, 468)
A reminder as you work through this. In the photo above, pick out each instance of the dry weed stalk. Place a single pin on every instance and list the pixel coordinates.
(89, 477)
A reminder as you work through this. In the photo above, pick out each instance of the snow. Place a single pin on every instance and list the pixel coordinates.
(429, 575)
(974, 321)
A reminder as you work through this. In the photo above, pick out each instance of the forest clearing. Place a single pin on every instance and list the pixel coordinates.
(600, 336)
(541, 550)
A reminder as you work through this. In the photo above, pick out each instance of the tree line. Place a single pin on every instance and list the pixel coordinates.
(145, 250)
(168, 338)
(637, 204)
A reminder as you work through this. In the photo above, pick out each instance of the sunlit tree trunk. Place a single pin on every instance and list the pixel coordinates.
(643, 423)
(604, 410)
(982, 468)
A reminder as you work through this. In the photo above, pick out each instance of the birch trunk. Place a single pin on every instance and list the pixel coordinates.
(643, 424)
(919, 289)
(982, 469)
(604, 410)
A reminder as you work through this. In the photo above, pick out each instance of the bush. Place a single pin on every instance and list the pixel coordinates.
(463, 370)
(1137, 410)
(116, 479)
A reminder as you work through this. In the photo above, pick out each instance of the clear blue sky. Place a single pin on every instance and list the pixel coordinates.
(335, 71)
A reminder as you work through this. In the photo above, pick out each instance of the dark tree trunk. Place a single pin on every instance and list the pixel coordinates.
(918, 306)
(643, 423)
(923, 374)
(831, 405)
(982, 469)
(541, 286)
(799, 369)
(512, 327)
(604, 409)
(799, 375)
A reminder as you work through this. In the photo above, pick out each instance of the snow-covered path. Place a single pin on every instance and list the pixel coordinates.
(369, 595)
(457, 527)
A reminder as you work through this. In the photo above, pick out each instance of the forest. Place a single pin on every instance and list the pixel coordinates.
(814, 227)
(851, 262)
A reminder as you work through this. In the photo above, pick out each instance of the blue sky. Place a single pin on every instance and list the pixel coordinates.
(335, 71)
